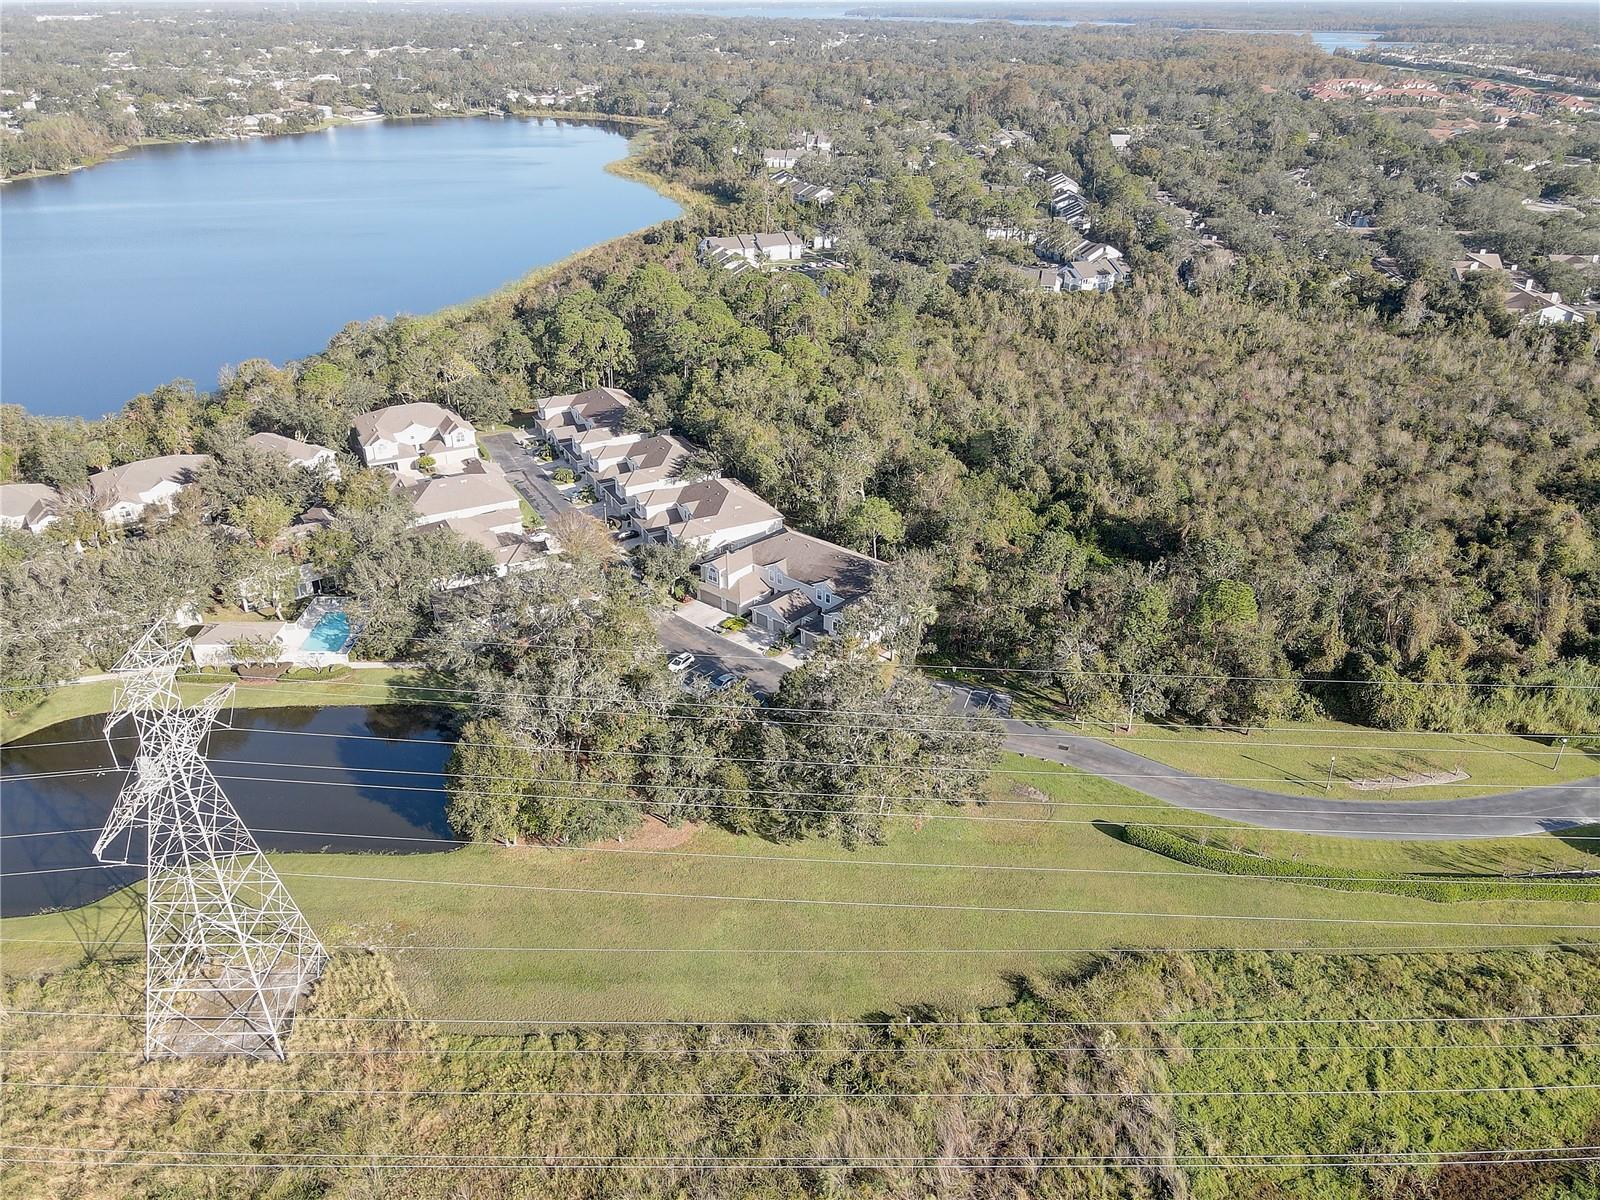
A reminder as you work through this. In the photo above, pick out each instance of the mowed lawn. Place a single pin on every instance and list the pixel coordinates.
(1318, 758)
(372, 685)
(1299, 759)
(723, 926)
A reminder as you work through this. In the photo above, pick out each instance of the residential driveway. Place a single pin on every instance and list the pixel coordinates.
(1532, 810)
(527, 475)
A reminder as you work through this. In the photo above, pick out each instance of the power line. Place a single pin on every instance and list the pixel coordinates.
(888, 951)
(1070, 735)
(938, 1164)
(906, 1023)
(817, 1051)
(826, 902)
(734, 650)
(1075, 772)
(1578, 883)
(919, 815)
(478, 1161)
(80, 772)
(427, 691)
(340, 688)
(926, 907)
(807, 718)
(658, 754)
(509, 1094)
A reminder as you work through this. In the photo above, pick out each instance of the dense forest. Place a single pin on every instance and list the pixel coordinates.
(1326, 497)
(1177, 497)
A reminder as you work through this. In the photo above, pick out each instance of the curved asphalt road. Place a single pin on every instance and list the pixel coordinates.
(1532, 810)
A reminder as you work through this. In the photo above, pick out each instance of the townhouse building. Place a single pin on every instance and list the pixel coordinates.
(395, 438)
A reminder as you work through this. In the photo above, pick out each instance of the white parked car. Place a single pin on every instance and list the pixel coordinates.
(680, 662)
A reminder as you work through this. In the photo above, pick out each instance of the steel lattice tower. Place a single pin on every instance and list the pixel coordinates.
(227, 952)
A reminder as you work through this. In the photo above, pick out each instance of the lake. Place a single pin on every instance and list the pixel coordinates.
(1329, 40)
(170, 261)
(373, 773)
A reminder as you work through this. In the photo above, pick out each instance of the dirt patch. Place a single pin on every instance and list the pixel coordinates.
(656, 834)
(1414, 779)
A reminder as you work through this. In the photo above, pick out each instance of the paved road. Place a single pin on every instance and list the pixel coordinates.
(1532, 810)
(714, 654)
(526, 475)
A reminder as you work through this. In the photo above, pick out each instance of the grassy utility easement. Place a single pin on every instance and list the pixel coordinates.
(1324, 757)
(710, 929)
(1175, 1100)
(376, 685)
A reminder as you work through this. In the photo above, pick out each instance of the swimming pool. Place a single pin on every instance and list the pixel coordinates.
(330, 635)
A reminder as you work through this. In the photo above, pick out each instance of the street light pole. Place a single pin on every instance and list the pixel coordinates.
(1560, 750)
(1329, 786)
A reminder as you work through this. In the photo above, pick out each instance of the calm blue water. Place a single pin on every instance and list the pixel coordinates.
(304, 779)
(331, 633)
(1325, 39)
(170, 261)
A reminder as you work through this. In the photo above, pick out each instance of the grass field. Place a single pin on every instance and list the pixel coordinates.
(1296, 759)
(714, 952)
(1323, 757)
(1372, 1075)
(376, 685)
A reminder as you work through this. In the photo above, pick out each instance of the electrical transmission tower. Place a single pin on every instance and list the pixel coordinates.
(227, 953)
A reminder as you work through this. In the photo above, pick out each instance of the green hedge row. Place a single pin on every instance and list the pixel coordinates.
(337, 671)
(1231, 862)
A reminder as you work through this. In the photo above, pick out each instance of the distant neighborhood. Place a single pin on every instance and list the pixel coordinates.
(428, 452)
(1523, 297)
(751, 568)
(776, 251)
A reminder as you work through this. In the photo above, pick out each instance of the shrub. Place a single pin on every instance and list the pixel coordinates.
(336, 671)
(564, 476)
(1444, 891)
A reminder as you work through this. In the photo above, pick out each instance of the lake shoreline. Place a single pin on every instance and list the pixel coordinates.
(401, 301)
(576, 116)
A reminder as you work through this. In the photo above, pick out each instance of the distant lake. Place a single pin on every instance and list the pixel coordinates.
(373, 775)
(170, 261)
(1325, 39)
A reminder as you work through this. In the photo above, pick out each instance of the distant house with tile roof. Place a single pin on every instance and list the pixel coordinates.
(1478, 260)
(802, 192)
(754, 248)
(789, 584)
(709, 514)
(1541, 308)
(480, 505)
(645, 465)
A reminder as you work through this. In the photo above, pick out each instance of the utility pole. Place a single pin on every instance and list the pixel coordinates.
(227, 952)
